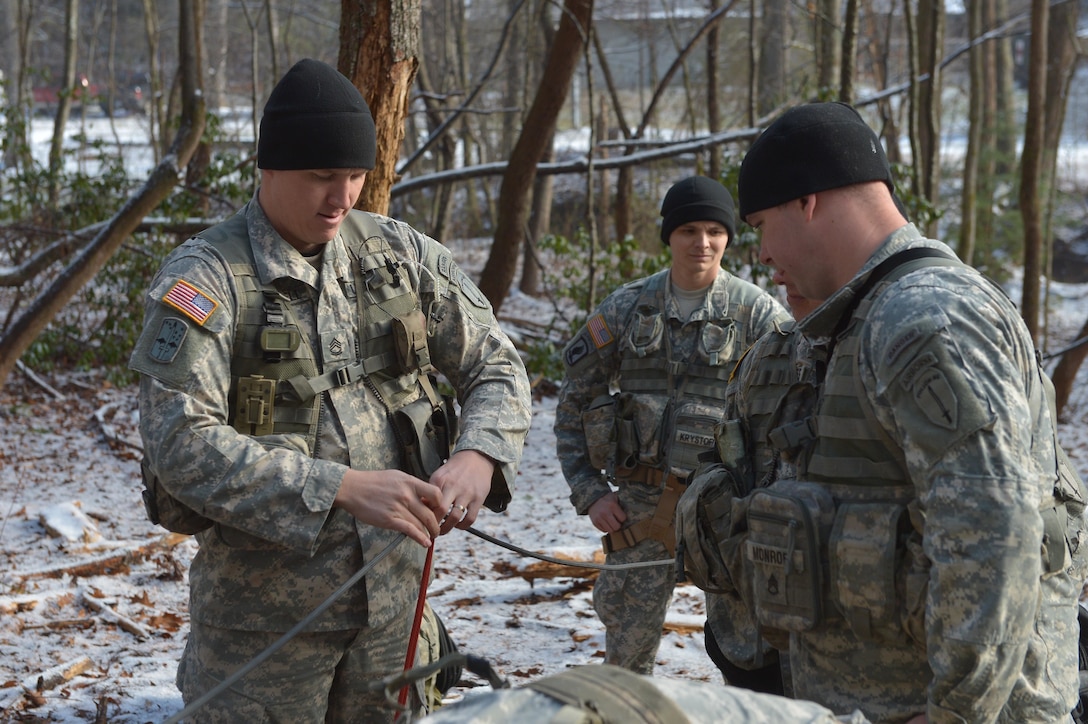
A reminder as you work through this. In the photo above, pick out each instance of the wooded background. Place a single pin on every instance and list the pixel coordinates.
(473, 101)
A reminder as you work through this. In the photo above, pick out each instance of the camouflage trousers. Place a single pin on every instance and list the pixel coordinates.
(316, 677)
(632, 603)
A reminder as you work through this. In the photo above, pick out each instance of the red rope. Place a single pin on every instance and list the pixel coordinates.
(417, 622)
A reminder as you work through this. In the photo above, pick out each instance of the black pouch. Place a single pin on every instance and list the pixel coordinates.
(788, 528)
(425, 432)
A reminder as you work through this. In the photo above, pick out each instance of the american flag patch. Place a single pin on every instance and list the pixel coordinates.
(598, 330)
(190, 301)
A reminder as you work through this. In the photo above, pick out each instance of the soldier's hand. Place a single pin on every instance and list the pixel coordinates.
(607, 514)
(465, 481)
(395, 500)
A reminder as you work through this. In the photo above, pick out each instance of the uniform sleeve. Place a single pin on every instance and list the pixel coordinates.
(589, 361)
(268, 487)
(949, 373)
(470, 349)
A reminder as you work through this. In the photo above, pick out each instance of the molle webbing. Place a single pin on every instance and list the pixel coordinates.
(774, 372)
(286, 380)
(849, 445)
(656, 372)
(649, 374)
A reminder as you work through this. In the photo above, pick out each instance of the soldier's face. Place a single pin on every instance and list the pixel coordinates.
(785, 245)
(307, 207)
(697, 248)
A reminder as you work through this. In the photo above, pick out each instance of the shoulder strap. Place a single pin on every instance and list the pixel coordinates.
(932, 257)
(612, 692)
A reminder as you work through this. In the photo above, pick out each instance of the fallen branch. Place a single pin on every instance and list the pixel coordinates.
(51, 678)
(124, 622)
(38, 380)
(545, 569)
(109, 429)
(106, 564)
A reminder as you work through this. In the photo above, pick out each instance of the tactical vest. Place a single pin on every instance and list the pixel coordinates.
(275, 382)
(827, 545)
(839, 441)
(680, 400)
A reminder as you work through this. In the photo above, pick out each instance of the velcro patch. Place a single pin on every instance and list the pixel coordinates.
(471, 291)
(598, 330)
(576, 351)
(168, 341)
(190, 301)
(937, 399)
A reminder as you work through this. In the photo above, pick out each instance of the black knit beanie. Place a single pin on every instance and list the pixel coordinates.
(316, 118)
(810, 148)
(697, 198)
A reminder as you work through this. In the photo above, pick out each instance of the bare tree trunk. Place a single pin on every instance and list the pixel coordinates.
(771, 86)
(1065, 373)
(621, 200)
(539, 221)
(713, 108)
(969, 194)
(987, 160)
(1006, 136)
(1031, 165)
(154, 91)
(540, 123)
(1062, 54)
(17, 23)
(215, 65)
(271, 18)
(827, 42)
(848, 69)
(379, 51)
(64, 105)
(163, 179)
(930, 49)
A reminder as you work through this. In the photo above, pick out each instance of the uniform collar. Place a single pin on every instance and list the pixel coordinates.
(276, 259)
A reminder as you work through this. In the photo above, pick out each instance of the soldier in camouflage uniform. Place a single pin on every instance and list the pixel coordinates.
(927, 559)
(744, 655)
(286, 390)
(645, 384)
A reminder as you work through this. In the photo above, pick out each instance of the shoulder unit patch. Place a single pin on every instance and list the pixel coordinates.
(168, 341)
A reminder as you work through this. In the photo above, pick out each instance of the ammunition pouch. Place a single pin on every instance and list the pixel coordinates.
(640, 420)
(789, 524)
(166, 510)
(427, 433)
(599, 428)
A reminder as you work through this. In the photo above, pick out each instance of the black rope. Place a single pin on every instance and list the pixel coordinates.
(1072, 346)
(567, 561)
